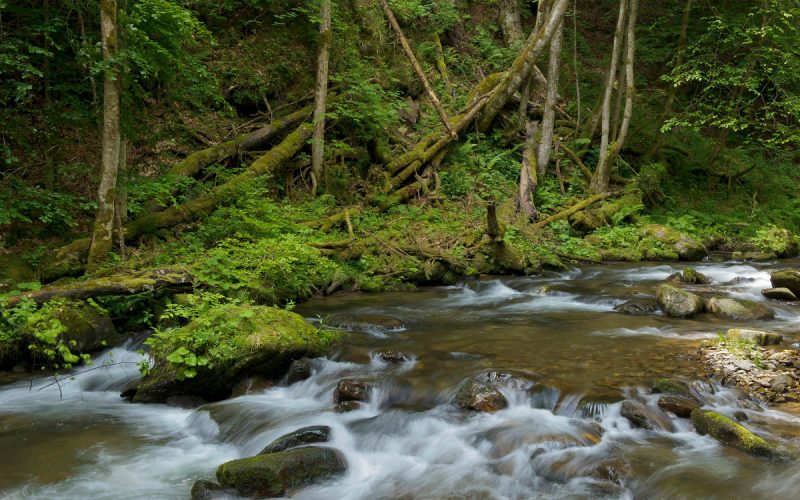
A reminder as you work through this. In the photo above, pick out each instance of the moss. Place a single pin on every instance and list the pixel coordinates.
(731, 433)
(275, 474)
(13, 270)
(246, 340)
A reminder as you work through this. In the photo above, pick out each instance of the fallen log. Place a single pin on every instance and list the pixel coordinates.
(575, 208)
(143, 282)
(70, 259)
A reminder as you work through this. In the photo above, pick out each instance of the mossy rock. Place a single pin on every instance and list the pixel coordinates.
(300, 437)
(265, 341)
(777, 241)
(788, 278)
(677, 302)
(759, 337)
(13, 270)
(691, 276)
(277, 474)
(738, 310)
(671, 386)
(730, 433)
(348, 321)
(668, 243)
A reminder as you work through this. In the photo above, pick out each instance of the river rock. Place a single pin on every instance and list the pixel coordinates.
(639, 415)
(779, 294)
(731, 433)
(209, 490)
(300, 437)
(684, 246)
(505, 379)
(351, 390)
(251, 385)
(679, 405)
(363, 322)
(739, 310)
(759, 337)
(638, 307)
(394, 357)
(300, 369)
(264, 342)
(692, 277)
(346, 406)
(616, 471)
(788, 278)
(671, 386)
(278, 474)
(480, 396)
(677, 302)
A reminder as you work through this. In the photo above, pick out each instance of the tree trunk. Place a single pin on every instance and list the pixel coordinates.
(510, 21)
(548, 119)
(441, 65)
(681, 52)
(601, 175)
(417, 68)
(522, 66)
(528, 176)
(102, 234)
(121, 200)
(318, 141)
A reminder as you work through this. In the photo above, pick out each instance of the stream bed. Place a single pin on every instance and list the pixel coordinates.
(561, 436)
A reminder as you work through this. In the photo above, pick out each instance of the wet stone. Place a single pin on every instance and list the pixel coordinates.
(300, 437)
(251, 385)
(480, 396)
(300, 369)
(779, 294)
(681, 406)
(351, 390)
(209, 490)
(637, 414)
(638, 307)
(395, 357)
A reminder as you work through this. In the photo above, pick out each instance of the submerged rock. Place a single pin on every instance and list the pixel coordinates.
(679, 405)
(277, 474)
(300, 369)
(739, 310)
(251, 385)
(349, 393)
(779, 294)
(731, 433)
(789, 278)
(209, 490)
(480, 396)
(262, 341)
(300, 437)
(363, 322)
(395, 357)
(640, 416)
(759, 337)
(671, 386)
(638, 307)
(692, 277)
(677, 302)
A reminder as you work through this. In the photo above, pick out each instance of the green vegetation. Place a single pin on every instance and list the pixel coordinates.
(216, 184)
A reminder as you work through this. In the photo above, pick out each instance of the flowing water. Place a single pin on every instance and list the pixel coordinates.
(575, 359)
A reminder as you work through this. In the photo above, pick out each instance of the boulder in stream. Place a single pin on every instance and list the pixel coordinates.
(638, 307)
(351, 390)
(680, 245)
(727, 431)
(248, 340)
(681, 406)
(300, 437)
(209, 490)
(677, 302)
(279, 474)
(788, 278)
(640, 416)
(760, 337)
(783, 294)
(347, 321)
(671, 386)
(691, 276)
(738, 310)
(394, 357)
(480, 396)
(300, 369)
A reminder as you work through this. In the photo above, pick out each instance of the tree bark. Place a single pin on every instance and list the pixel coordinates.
(601, 175)
(510, 21)
(318, 141)
(574, 208)
(141, 282)
(528, 175)
(417, 68)
(548, 119)
(102, 234)
(522, 66)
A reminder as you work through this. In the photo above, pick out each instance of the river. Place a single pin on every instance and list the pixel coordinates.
(557, 333)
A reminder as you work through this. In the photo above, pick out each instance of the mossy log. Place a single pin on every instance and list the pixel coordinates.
(574, 208)
(70, 259)
(124, 284)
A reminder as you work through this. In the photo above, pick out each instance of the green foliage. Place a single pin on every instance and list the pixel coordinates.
(649, 181)
(38, 330)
